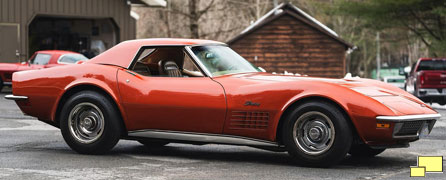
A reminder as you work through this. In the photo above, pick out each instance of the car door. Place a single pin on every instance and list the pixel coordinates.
(188, 104)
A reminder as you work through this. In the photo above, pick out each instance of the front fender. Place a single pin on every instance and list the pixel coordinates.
(361, 110)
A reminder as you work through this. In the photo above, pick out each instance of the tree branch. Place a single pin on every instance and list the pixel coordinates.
(200, 13)
(417, 33)
(179, 12)
(424, 25)
(220, 31)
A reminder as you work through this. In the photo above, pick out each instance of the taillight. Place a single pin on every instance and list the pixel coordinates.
(422, 78)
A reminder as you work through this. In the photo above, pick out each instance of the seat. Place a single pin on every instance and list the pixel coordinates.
(169, 68)
(142, 69)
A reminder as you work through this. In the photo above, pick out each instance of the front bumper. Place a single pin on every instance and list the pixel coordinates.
(16, 98)
(409, 127)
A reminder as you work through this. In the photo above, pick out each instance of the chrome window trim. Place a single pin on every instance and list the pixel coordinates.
(138, 52)
(17, 98)
(409, 117)
(200, 137)
(185, 47)
(168, 45)
(197, 61)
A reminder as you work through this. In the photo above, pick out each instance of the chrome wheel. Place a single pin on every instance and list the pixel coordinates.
(86, 122)
(313, 132)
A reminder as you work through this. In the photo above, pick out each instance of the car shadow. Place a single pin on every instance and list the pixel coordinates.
(208, 154)
(247, 155)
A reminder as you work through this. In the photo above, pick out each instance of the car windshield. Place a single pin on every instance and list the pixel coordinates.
(221, 60)
(41, 59)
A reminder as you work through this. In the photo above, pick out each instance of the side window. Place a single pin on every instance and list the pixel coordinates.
(41, 59)
(165, 62)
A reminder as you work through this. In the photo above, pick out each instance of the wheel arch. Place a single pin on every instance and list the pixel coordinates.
(310, 98)
(87, 87)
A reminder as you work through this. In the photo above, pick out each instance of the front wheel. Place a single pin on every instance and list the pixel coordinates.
(90, 123)
(362, 150)
(317, 134)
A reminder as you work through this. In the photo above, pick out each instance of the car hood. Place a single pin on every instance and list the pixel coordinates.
(391, 96)
(9, 66)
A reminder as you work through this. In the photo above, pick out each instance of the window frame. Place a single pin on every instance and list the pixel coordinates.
(186, 49)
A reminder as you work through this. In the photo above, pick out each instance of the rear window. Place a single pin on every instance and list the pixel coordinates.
(71, 58)
(430, 65)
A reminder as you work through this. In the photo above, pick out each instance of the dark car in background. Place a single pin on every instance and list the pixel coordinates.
(40, 59)
(427, 80)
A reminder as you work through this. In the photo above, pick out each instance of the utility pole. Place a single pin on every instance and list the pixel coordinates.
(378, 57)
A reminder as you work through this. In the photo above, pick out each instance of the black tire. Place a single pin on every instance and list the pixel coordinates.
(1, 85)
(363, 150)
(96, 106)
(337, 147)
(153, 143)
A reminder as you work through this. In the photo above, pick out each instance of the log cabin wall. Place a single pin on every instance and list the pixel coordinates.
(287, 43)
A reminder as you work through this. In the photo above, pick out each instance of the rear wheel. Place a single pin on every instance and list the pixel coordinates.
(90, 123)
(363, 150)
(317, 134)
(153, 143)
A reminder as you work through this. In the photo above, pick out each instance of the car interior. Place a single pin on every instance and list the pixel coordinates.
(166, 62)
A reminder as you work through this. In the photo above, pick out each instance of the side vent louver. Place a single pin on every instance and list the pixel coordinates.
(249, 120)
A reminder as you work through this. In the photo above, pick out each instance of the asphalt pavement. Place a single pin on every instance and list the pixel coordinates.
(30, 149)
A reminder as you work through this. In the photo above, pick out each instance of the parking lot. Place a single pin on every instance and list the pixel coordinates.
(30, 149)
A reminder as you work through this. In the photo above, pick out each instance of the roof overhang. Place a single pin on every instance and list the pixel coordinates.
(289, 9)
(150, 3)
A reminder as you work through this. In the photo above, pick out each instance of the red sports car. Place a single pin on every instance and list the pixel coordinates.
(40, 59)
(158, 91)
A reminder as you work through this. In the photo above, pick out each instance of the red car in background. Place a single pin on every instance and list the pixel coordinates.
(427, 80)
(40, 59)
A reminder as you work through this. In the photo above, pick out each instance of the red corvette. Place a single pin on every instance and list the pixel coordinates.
(158, 91)
(40, 59)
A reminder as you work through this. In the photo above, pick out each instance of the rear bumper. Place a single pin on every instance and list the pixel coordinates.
(16, 98)
(409, 127)
(430, 92)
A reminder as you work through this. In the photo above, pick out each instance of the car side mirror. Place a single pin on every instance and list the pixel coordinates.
(402, 72)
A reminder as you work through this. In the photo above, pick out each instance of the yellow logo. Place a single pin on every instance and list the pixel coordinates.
(427, 164)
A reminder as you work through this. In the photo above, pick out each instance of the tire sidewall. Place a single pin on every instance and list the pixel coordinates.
(342, 140)
(111, 132)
